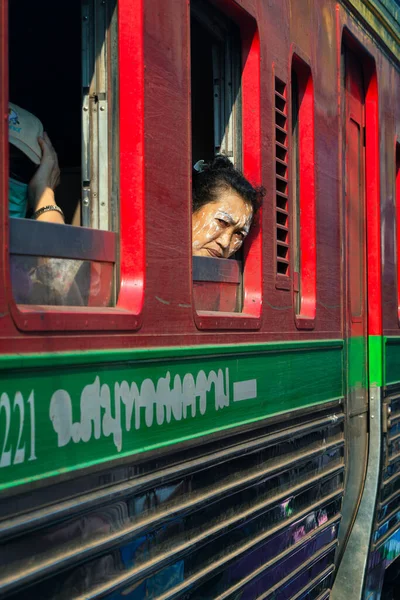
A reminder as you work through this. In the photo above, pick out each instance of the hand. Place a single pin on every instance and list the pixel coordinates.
(47, 177)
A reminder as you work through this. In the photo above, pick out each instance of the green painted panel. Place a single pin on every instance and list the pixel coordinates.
(392, 360)
(64, 412)
(357, 362)
(375, 360)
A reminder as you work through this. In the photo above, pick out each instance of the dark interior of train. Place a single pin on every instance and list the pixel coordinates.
(44, 41)
(202, 93)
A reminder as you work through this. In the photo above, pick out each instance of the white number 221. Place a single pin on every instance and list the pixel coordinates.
(17, 411)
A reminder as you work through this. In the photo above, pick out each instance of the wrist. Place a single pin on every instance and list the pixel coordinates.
(47, 199)
(44, 198)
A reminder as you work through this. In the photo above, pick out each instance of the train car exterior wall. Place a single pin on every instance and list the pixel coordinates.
(113, 421)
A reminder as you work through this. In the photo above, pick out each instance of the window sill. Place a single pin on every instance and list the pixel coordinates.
(303, 322)
(29, 317)
(219, 320)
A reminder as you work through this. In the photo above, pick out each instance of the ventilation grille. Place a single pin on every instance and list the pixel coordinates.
(281, 175)
(254, 514)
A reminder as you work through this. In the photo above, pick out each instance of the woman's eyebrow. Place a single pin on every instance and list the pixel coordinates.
(225, 215)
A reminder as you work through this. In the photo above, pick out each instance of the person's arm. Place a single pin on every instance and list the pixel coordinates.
(44, 182)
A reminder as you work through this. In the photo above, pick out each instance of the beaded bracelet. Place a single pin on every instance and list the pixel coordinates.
(48, 208)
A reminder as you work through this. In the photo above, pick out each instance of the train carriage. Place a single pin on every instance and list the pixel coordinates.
(186, 427)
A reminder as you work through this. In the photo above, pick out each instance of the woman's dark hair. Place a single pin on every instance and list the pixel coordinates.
(220, 174)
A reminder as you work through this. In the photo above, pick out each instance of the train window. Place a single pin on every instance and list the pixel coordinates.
(216, 129)
(63, 245)
(397, 196)
(303, 194)
(215, 84)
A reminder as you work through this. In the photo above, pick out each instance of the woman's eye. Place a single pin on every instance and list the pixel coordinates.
(222, 222)
(240, 235)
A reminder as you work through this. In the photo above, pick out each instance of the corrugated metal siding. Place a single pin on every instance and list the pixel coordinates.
(254, 515)
(388, 508)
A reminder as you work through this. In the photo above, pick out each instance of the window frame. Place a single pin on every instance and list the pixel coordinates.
(250, 316)
(397, 212)
(126, 314)
(303, 194)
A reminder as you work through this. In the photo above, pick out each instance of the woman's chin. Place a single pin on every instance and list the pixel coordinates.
(200, 252)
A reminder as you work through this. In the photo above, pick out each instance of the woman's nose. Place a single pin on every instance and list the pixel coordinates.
(224, 239)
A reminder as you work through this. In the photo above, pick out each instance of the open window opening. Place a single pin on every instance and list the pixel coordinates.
(64, 76)
(216, 129)
(303, 194)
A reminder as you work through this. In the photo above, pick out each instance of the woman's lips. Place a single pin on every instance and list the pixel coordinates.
(214, 253)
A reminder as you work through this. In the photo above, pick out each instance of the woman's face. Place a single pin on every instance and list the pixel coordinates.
(219, 227)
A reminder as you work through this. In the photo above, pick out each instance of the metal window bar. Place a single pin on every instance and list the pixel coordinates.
(87, 69)
(95, 209)
(227, 98)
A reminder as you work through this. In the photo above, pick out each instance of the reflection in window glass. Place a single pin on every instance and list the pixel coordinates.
(61, 281)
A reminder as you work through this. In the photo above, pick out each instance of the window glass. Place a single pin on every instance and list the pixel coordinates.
(63, 160)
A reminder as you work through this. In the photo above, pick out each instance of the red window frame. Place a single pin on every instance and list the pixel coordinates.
(397, 204)
(250, 317)
(127, 312)
(305, 281)
(348, 34)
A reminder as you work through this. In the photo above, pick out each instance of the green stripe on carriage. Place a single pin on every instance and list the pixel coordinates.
(64, 412)
(391, 360)
(375, 360)
(357, 361)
